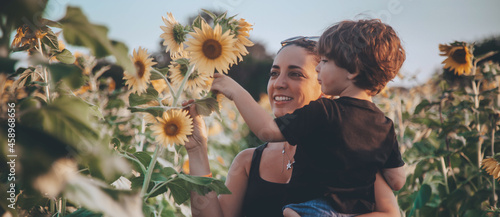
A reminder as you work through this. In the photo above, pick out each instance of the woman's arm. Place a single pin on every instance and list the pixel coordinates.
(209, 204)
(386, 204)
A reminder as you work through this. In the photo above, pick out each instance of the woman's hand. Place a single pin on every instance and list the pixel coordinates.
(198, 138)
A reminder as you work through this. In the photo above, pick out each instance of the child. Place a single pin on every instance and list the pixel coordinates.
(341, 143)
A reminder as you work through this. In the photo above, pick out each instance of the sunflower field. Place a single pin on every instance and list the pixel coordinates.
(102, 133)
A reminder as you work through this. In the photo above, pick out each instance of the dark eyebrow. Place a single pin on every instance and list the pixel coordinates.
(290, 67)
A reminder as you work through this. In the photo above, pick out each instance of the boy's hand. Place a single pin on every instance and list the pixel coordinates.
(226, 85)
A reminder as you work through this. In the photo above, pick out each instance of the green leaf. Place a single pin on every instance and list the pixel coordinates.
(70, 74)
(169, 171)
(65, 56)
(143, 157)
(422, 105)
(179, 190)
(156, 111)
(207, 105)
(7, 65)
(51, 40)
(181, 186)
(150, 95)
(50, 23)
(96, 196)
(77, 30)
(82, 212)
(424, 194)
(212, 15)
(156, 76)
(115, 103)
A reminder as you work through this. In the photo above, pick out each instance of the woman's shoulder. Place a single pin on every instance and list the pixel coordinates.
(244, 159)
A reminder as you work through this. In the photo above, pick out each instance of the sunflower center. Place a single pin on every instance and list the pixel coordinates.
(171, 129)
(459, 56)
(140, 67)
(212, 49)
(193, 76)
(179, 35)
(184, 69)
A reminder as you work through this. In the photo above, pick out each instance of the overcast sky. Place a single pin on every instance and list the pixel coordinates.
(421, 24)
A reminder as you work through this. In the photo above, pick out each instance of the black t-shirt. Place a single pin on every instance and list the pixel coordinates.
(341, 144)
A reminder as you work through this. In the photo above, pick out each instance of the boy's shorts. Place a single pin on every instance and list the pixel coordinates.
(316, 208)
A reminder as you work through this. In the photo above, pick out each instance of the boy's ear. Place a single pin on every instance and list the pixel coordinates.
(353, 75)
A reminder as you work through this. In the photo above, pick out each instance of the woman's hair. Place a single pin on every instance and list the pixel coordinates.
(309, 45)
(369, 47)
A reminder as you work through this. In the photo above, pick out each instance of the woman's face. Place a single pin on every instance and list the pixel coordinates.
(293, 80)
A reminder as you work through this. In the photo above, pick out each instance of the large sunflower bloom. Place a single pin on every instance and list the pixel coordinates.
(178, 73)
(459, 58)
(241, 35)
(210, 49)
(492, 167)
(139, 81)
(173, 35)
(173, 127)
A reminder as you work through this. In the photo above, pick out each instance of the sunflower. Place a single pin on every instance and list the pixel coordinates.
(26, 36)
(459, 58)
(492, 167)
(174, 35)
(173, 127)
(178, 72)
(241, 35)
(139, 81)
(210, 49)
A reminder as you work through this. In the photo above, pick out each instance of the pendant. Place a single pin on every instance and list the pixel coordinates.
(289, 165)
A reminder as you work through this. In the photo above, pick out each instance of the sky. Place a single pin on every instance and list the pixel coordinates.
(421, 24)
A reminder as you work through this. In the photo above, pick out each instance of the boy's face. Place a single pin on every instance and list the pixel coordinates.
(333, 79)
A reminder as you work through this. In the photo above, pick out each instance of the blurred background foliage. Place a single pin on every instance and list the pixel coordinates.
(446, 127)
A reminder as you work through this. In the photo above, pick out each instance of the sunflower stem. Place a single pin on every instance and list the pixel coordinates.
(143, 131)
(493, 129)
(166, 80)
(149, 170)
(181, 87)
(445, 174)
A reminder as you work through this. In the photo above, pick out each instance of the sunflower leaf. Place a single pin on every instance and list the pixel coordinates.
(156, 111)
(209, 13)
(182, 185)
(150, 95)
(50, 23)
(65, 56)
(51, 40)
(197, 22)
(77, 30)
(206, 106)
(70, 74)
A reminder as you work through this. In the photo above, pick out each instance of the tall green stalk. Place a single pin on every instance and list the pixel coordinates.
(149, 171)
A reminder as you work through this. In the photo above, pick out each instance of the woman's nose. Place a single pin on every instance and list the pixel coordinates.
(280, 81)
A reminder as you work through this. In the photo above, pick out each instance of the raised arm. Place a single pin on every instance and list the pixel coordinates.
(258, 120)
(227, 205)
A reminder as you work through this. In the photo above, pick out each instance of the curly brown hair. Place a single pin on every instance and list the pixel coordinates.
(368, 47)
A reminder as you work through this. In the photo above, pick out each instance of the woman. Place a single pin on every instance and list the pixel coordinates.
(257, 177)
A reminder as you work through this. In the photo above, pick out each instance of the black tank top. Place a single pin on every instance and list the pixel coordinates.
(262, 198)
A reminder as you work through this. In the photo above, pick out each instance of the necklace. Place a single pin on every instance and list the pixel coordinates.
(290, 163)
